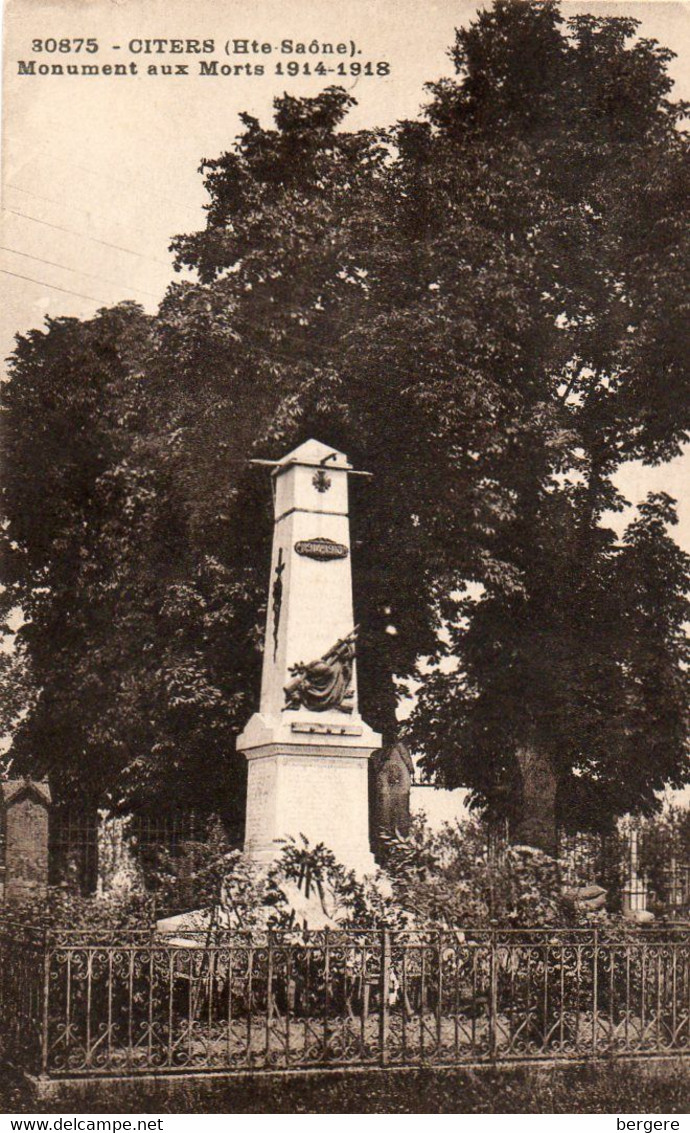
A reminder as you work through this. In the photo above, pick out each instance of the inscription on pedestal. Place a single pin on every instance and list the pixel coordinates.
(261, 794)
(327, 729)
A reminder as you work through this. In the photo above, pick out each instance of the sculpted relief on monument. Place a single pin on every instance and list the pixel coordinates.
(326, 683)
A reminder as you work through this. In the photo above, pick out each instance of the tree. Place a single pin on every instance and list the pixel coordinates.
(118, 599)
(552, 677)
(484, 307)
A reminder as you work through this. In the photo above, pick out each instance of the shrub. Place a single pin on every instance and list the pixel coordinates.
(63, 910)
(455, 878)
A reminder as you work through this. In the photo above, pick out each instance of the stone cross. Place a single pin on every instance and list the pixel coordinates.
(307, 747)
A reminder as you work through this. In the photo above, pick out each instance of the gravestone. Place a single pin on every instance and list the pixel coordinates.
(392, 771)
(307, 747)
(25, 810)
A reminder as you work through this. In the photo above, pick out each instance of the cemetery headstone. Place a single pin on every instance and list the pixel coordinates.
(25, 816)
(392, 769)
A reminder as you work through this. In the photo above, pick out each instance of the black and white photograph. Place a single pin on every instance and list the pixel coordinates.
(345, 575)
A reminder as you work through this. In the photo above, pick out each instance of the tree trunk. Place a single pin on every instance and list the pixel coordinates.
(537, 824)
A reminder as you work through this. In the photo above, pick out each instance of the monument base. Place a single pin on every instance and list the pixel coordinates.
(316, 790)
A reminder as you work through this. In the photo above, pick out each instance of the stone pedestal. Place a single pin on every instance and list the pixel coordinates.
(318, 793)
(308, 748)
(636, 890)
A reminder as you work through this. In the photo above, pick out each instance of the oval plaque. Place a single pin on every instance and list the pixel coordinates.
(321, 549)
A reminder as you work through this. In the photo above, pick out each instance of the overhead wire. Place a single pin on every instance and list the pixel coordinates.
(85, 235)
(78, 271)
(292, 358)
(74, 208)
(122, 181)
(53, 286)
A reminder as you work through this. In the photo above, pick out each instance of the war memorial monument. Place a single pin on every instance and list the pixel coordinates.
(307, 747)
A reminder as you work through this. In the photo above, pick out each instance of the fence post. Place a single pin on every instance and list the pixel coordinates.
(45, 1007)
(595, 991)
(493, 994)
(385, 993)
(269, 992)
(327, 986)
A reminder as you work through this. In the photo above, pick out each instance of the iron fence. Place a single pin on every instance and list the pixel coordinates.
(71, 1005)
(73, 848)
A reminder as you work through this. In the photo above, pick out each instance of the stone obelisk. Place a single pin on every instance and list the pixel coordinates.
(307, 747)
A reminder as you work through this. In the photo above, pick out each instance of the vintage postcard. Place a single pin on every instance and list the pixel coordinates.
(344, 605)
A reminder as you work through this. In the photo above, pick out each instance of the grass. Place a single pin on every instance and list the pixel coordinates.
(630, 1088)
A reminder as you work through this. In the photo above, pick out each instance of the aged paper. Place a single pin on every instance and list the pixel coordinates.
(110, 107)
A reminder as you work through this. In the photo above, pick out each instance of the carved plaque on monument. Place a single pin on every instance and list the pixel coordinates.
(322, 549)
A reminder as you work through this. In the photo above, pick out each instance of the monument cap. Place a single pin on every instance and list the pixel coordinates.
(313, 454)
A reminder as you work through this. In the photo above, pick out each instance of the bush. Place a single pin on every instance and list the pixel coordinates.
(61, 910)
(444, 879)
(453, 878)
(305, 885)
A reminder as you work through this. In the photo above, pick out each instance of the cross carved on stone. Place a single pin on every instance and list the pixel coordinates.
(277, 599)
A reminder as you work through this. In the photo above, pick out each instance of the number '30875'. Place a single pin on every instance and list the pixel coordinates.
(65, 46)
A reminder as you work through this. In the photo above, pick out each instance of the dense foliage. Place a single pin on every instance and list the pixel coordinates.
(486, 307)
(124, 643)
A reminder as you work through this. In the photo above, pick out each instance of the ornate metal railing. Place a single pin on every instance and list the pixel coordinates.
(74, 1004)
